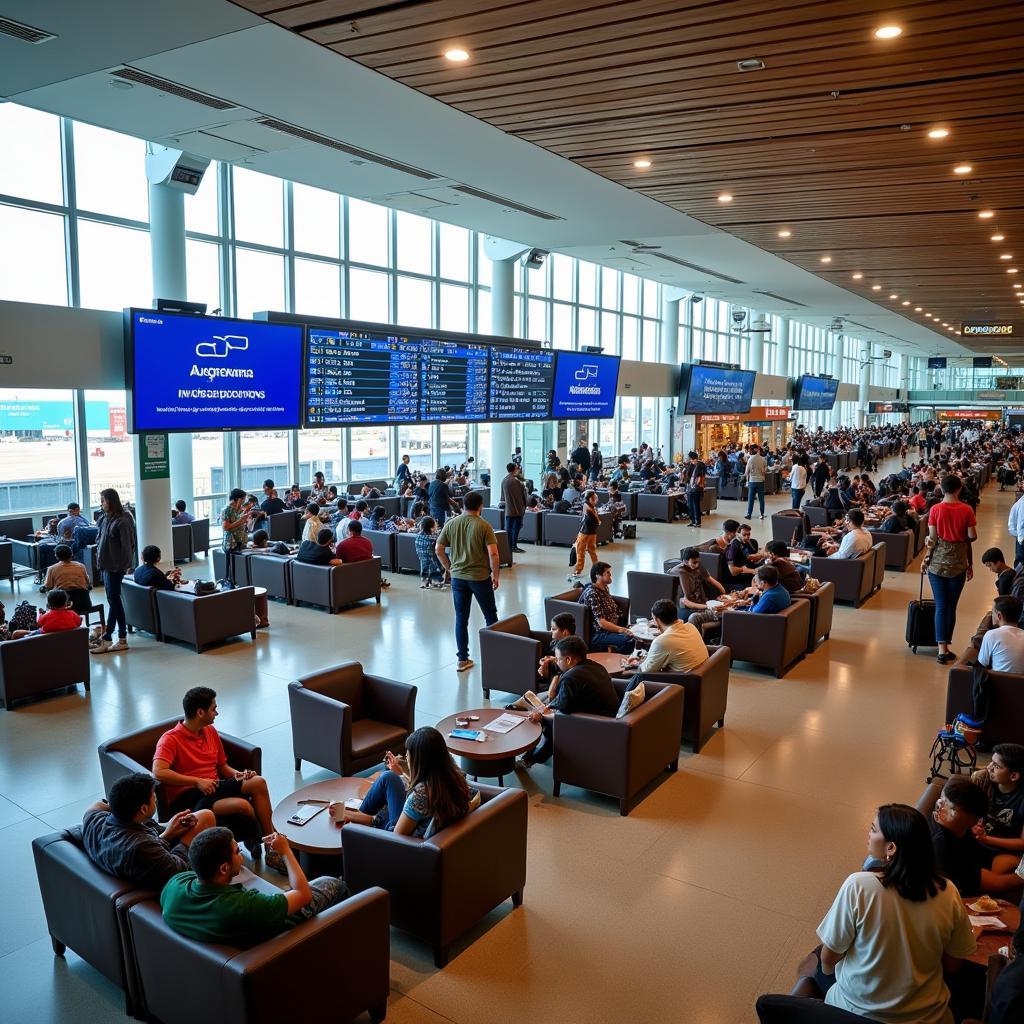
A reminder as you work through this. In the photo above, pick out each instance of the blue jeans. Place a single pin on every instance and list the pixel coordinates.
(463, 592)
(513, 524)
(797, 494)
(438, 515)
(430, 568)
(694, 500)
(601, 640)
(946, 590)
(115, 606)
(754, 490)
(388, 790)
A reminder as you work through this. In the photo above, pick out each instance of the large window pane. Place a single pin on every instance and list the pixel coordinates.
(536, 320)
(30, 159)
(259, 281)
(201, 209)
(114, 266)
(371, 455)
(629, 338)
(610, 288)
(651, 298)
(627, 423)
(483, 311)
(609, 333)
(109, 446)
(414, 302)
(454, 246)
(317, 288)
(37, 453)
(32, 261)
(588, 326)
(417, 441)
(367, 233)
(630, 293)
(202, 261)
(454, 445)
(561, 328)
(208, 463)
(110, 173)
(483, 264)
(561, 276)
(414, 243)
(264, 455)
(368, 295)
(259, 207)
(587, 274)
(319, 452)
(454, 308)
(317, 220)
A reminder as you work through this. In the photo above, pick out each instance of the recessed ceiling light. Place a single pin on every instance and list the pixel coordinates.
(1006, 256)
(938, 133)
(998, 237)
(917, 309)
(857, 277)
(456, 54)
(894, 296)
(785, 233)
(826, 259)
(1011, 270)
(986, 214)
(906, 302)
(944, 324)
(725, 197)
(963, 169)
(888, 32)
(1018, 285)
(642, 164)
(750, 64)
(876, 287)
(928, 315)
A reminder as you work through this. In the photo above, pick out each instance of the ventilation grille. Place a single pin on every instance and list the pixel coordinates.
(693, 266)
(26, 33)
(487, 197)
(362, 154)
(780, 298)
(172, 88)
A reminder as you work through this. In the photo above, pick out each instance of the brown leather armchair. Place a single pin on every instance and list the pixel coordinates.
(656, 507)
(206, 619)
(822, 603)
(899, 548)
(776, 640)
(38, 664)
(644, 588)
(344, 720)
(569, 601)
(86, 909)
(879, 567)
(332, 587)
(790, 526)
(853, 578)
(1005, 722)
(509, 654)
(442, 886)
(533, 527)
(385, 547)
(140, 607)
(620, 756)
(341, 956)
(561, 528)
(200, 536)
(707, 695)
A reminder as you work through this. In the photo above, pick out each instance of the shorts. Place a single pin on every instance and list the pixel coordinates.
(195, 800)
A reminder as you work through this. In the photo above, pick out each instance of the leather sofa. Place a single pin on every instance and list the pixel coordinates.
(334, 966)
(620, 756)
(822, 603)
(853, 578)
(505, 549)
(206, 619)
(509, 654)
(790, 526)
(140, 607)
(628, 499)
(344, 720)
(181, 542)
(659, 508)
(644, 588)
(1005, 722)
(533, 527)
(495, 516)
(564, 527)
(273, 573)
(283, 525)
(38, 664)
(385, 547)
(899, 548)
(406, 559)
(332, 587)
(879, 573)
(707, 695)
(569, 601)
(200, 536)
(442, 886)
(775, 640)
(709, 501)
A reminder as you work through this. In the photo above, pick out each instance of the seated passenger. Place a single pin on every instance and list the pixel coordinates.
(204, 905)
(1002, 647)
(295, 500)
(318, 552)
(769, 595)
(310, 523)
(899, 520)
(121, 836)
(149, 574)
(855, 542)
(181, 516)
(356, 547)
(65, 574)
(71, 520)
(994, 561)
(260, 540)
(777, 556)
(421, 797)
(678, 647)
(606, 629)
(1002, 828)
(742, 556)
(698, 585)
(378, 520)
(271, 503)
(1006, 1001)
(58, 617)
(190, 763)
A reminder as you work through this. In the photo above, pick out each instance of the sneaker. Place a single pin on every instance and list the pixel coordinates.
(519, 551)
(746, 517)
(762, 516)
(101, 647)
(573, 578)
(425, 585)
(464, 665)
(121, 644)
(522, 765)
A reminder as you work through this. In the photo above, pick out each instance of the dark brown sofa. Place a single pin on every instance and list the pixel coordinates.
(344, 720)
(1005, 722)
(440, 887)
(644, 588)
(776, 640)
(140, 607)
(207, 619)
(853, 578)
(822, 603)
(899, 548)
(39, 664)
(509, 654)
(332, 587)
(659, 508)
(879, 573)
(620, 756)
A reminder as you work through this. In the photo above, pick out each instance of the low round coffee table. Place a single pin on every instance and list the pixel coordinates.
(319, 837)
(496, 756)
(612, 663)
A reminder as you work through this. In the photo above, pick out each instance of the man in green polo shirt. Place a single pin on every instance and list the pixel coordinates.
(474, 566)
(202, 903)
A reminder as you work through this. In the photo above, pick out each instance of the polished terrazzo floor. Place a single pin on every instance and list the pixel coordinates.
(704, 897)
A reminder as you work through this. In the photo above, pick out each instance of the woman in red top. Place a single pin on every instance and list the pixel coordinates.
(952, 529)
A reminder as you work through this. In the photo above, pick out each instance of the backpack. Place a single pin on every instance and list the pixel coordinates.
(24, 617)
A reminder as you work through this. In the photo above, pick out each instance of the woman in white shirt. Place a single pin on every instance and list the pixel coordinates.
(798, 480)
(889, 935)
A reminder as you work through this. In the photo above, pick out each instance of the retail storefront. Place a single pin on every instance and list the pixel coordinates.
(767, 425)
(965, 415)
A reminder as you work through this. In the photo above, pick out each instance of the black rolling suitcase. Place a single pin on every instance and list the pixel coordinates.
(921, 622)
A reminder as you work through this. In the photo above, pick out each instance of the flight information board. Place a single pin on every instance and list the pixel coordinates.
(520, 383)
(453, 381)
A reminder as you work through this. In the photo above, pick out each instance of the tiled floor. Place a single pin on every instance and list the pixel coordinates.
(705, 896)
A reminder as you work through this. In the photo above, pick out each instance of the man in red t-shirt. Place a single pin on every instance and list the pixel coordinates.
(191, 764)
(355, 547)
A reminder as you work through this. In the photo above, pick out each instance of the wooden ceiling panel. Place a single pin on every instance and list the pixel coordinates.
(828, 141)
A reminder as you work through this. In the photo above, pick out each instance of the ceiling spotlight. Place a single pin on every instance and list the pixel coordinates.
(944, 324)
(785, 233)
(1006, 256)
(456, 55)
(826, 259)
(963, 169)
(642, 164)
(894, 296)
(917, 309)
(725, 197)
(1018, 286)
(986, 214)
(888, 32)
(998, 237)
(857, 277)
(906, 302)
(938, 133)
(876, 287)
(1011, 270)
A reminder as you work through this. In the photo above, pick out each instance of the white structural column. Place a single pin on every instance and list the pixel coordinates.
(838, 355)
(905, 382)
(669, 354)
(503, 279)
(865, 384)
(781, 368)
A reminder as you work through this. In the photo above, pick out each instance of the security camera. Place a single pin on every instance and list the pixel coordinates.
(695, 298)
(534, 259)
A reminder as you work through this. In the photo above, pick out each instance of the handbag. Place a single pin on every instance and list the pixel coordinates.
(24, 617)
(948, 558)
(204, 587)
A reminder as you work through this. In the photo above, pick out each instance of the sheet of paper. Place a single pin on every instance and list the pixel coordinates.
(503, 723)
(985, 922)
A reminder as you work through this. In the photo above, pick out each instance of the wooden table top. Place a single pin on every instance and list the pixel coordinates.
(497, 745)
(319, 835)
(991, 939)
(612, 662)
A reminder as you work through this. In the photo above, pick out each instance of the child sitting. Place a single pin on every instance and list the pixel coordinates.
(430, 567)
(58, 617)
(65, 574)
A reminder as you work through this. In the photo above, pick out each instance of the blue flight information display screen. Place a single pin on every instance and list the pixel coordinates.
(585, 386)
(195, 373)
(453, 381)
(815, 394)
(715, 389)
(520, 383)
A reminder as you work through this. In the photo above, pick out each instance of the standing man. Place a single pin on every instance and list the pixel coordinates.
(596, 464)
(580, 457)
(517, 457)
(474, 569)
(1015, 523)
(402, 474)
(695, 474)
(798, 480)
(754, 474)
(514, 496)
